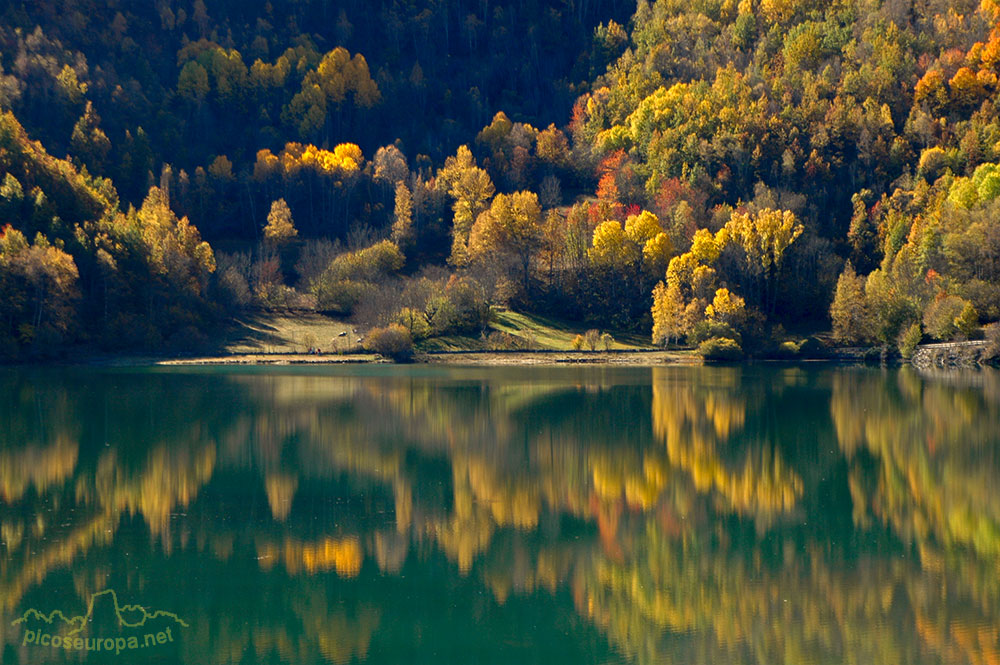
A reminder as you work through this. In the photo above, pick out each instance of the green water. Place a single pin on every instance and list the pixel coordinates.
(380, 514)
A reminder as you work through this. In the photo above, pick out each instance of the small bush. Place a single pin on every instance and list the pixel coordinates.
(415, 322)
(275, 295)
(875, 355)
(341, 296)
(441, 315)
(942, 315)
(501, 341)
(471, 307)
(992, 335)
(370, 264)
(606, 341)
(909, 340)
(578, 343)
(787, 350)
(812, 348)
(720, 349)
(706, 330)
(393, 341)
(967, 321)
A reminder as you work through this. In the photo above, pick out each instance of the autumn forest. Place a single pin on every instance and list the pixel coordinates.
(738, 174)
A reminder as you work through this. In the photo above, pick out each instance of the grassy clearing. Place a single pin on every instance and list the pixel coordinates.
(548, 333)
(272, 333)
(266, 333)
(541, 332)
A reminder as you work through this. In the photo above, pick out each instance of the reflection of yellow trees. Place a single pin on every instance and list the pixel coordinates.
(482, 472)
(525, 572)
(934, 480)
(36, 560)
(957, 641)
(639, 477)
(344, 555)
(696, 421)
(301, 624)
(698, 600)
(77, 507)
(172, 477)
(939, 466)
(510, 503)
(280, 493)
(36, 466)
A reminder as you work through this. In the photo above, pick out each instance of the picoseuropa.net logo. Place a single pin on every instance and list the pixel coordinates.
(138, 628)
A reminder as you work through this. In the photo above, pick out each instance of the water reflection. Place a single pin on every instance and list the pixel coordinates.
(665, 515)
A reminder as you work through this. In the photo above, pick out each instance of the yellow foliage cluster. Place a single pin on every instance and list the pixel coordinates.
(344, 555)
(345, 159)
(641, 239)
(696, 429)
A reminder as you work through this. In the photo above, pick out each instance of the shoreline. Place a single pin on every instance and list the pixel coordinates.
(474, 358)
(952, 355)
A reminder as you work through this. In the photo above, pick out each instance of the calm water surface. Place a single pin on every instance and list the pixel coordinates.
(384, 515)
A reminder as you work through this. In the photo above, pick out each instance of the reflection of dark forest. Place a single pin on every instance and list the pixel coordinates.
(730, 515)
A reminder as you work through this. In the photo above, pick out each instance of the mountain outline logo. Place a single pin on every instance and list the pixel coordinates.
(81, 621)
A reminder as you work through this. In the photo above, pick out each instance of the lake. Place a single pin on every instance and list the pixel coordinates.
(382, 514)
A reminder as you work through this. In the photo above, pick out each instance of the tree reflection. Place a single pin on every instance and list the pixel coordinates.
(693, 515)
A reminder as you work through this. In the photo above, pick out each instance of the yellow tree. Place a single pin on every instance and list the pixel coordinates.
(726, 307)
(402, 224)
(471, 189)
(512, 226)
(280, 228)
(689, 275)
(669, 320)
(849, 311)
(612, 248)
(173, 247)
(763, 238)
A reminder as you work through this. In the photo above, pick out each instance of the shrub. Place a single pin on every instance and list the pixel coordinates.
(720, 349)
(812, 348)
(705, 330)
(415, 322)
(984, 296)
(942, 315)
(909, 340)
(370, 264)
(340, 296)
(441, 315)
(578, 343)
(472, 309)
(275, 295)
(875, 355)
(992, 336)
(967, 321)
(393, 341)
(787, 350)
(502, 341)
(351, 277)
(591, 338)
(233, 289)
(606, 341)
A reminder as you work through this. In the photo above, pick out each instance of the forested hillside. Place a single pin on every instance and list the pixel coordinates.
(708, 171)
